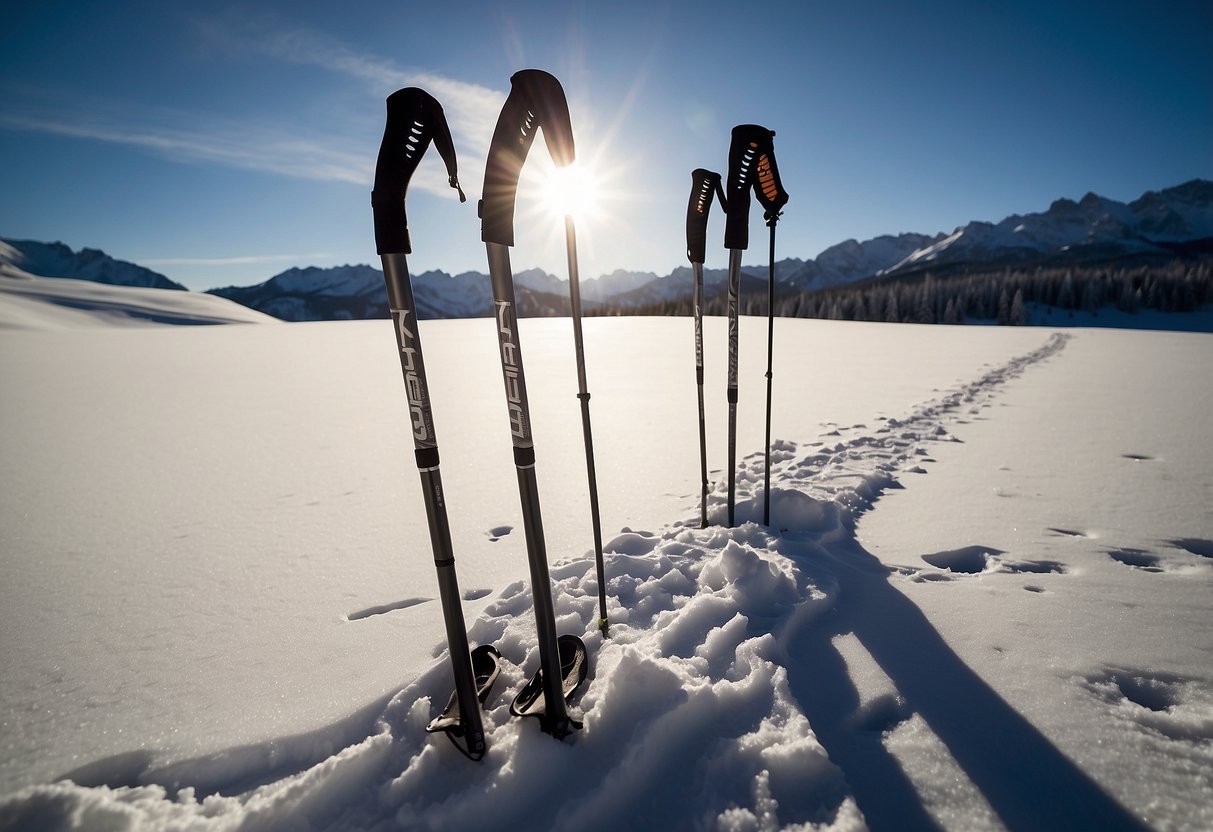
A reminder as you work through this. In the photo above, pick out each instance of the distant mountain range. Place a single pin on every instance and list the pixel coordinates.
(1156, 227)
(57, 260)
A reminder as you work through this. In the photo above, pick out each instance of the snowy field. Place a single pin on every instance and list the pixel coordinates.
(983, 602)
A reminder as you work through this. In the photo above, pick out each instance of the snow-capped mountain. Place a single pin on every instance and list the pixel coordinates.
(851, 260)
(616, 283)
(1093, 227)
(58, 260)
(357, 292)
(315, 294)
(1157, 225)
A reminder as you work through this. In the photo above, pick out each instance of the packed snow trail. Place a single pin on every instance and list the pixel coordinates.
(721, 640)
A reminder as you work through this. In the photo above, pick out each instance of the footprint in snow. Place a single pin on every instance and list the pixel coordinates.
(972, 560)
(969, 560)
(1068, 532)
(1033, 567)
(380, 609)
(498, 532)
(1195, 545)
(1136, 558)
(1175, 706)
(1145, 561)
(924, 577)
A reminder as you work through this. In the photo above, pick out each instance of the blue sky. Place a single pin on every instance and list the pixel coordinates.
(221, 143)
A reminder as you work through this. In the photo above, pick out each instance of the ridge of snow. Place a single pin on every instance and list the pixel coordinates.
(34, 302)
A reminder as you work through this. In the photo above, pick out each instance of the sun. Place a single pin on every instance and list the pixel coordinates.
(571, 190)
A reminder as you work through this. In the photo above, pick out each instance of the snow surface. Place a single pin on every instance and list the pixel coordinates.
(983, 601)
(31, 302)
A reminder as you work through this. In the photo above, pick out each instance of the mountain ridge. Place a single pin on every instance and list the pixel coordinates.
(1159, 225)
(58, 260)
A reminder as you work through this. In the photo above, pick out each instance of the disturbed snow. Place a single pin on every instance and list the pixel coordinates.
(995, 653)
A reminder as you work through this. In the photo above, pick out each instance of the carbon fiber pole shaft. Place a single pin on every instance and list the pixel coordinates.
(734, 292)
(556, 718)
(570, 244)
(408, 339)
(697, 302)
(766, 476)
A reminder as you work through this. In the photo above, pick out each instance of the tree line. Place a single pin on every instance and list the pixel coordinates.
(1004, 296)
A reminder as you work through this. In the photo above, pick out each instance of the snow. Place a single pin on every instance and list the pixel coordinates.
(32, 302)
(982, 602)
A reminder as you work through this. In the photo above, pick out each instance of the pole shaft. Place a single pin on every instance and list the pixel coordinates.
(408, 340)
(697, 304)
(502, 278)
(734, 299)
(766, 477)
(570, 244)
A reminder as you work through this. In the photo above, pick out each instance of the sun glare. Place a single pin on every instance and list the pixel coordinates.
(571, 190)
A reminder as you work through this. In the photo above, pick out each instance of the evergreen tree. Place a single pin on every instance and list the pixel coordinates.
(925, 313)
(1065, 295)
(1019, 315)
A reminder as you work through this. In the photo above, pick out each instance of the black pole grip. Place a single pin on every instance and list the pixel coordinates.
(751, 165)
(769, 187)
(704, 183)
(414, 119)
(536, 100)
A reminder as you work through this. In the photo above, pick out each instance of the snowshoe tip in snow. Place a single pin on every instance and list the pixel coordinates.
(573, 669)
(486, 666)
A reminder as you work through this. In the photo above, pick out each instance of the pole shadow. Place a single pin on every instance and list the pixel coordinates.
(1027, 781)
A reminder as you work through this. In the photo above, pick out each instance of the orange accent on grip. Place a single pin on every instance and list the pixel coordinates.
(766, 179)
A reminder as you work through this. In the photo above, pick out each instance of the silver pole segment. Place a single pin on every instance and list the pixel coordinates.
(697, 306)
(556, 719)
(734, 291)
(766, 476)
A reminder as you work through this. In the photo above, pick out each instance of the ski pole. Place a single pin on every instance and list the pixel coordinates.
(751, 165)
(772, 197)
(570, 243)
(414, 118)
(704, 183)
(535, 100)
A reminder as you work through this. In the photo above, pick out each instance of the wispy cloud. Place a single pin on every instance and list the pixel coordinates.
(471, 109)
(245, 147)
(244, 144)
